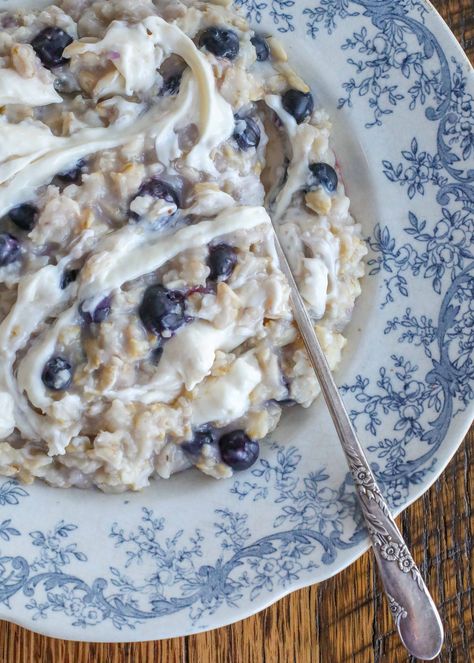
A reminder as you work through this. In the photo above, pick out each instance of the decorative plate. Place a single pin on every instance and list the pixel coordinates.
(192, 553)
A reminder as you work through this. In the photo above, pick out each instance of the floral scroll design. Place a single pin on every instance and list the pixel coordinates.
(367, 487)
(394, 551)
(397, 62)
(397, 610)
(308, 531)
(448, 168)
(379, 520)
(280, 11)
(438, 255)
(398, 47)
(415, 405)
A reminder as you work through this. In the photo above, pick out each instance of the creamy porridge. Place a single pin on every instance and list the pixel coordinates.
(146, 324)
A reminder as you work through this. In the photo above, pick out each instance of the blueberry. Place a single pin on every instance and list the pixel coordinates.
(238, 450)
(162, 310)
(261, 47)
(222, 42)
(74, 175)
(49, 45)
(204, 435)
(57, 374)
(322, 174)
(246, 132)
(298, 104)
(156, 355)
(171, 84)
(9, 249)
(68, 277)
(99, 314)
(24, 216)
(222, 261)
(159, 189)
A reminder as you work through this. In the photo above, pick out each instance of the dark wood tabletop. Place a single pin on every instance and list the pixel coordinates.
(345, 619)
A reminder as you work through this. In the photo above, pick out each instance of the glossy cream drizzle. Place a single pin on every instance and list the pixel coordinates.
(216, 119)
(121, 256)
(132, 51)
(41, 155)
(128, 254)
(39, 297)
(187, 360)
(226, 398)
(16, 89)
(301, 139)
(316, 276)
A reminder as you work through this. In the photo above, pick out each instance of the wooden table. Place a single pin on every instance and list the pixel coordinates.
(346, 618)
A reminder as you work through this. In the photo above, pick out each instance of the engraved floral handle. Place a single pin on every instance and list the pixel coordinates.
(413, 609)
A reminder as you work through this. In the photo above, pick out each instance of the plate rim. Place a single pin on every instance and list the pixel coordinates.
(452, 442)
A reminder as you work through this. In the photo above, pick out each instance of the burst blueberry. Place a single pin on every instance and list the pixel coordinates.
(204, 435)
(222, 42)
(162, 310)
(246, 132)
(171, 84)
(74, 175)
(57, 374)
(97, 315)
(49, 45)
(298, 104)
(238, 450)
(156, 355)
(10, 249)
(261, 46)
(24, 216)
(222, 261)
(68, 277)
(159, 189)
(322, 174)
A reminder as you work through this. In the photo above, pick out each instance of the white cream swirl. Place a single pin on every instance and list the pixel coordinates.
(26, 164)
(34, 91)
(121, 257)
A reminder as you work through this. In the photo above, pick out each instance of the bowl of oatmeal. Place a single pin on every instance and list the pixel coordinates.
(146, 324)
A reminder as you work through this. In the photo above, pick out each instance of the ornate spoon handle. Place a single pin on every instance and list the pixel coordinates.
(413, 609)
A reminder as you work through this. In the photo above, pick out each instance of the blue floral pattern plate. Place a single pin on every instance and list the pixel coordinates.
(192, 553)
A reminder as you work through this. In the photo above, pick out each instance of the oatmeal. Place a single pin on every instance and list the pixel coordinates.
(146, 324)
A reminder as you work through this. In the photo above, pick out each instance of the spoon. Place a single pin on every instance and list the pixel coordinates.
(411, 604)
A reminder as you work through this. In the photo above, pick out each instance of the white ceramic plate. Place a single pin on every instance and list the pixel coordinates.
(192, 553)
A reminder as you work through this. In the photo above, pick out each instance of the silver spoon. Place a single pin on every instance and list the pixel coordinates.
(412, 607)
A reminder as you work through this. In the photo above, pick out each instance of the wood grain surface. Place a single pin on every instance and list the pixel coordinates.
(345, 619)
